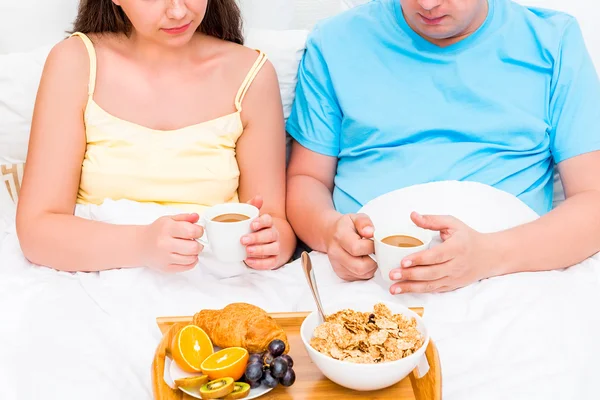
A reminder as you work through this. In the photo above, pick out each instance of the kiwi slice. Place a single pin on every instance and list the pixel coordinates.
(217, 388)
(240, 390)
(191, 381)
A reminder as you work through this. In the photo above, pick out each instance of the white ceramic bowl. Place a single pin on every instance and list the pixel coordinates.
(363, 377)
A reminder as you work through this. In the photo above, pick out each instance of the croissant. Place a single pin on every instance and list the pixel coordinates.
(241, 325)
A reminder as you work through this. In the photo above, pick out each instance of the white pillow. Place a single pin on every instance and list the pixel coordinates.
(308, 12)
(19, 79)
(284, 49)
(287, 14)
(268, 14)
(28, 24)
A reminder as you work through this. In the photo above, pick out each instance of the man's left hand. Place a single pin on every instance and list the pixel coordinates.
(464, 257)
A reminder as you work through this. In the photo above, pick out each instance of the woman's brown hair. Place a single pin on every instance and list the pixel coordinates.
(223, 19)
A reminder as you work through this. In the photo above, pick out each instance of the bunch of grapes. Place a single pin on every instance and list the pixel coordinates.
(270, 368)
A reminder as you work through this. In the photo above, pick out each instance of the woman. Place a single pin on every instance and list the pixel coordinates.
(153, 101)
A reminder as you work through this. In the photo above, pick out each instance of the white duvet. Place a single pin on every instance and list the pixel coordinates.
(93, 336)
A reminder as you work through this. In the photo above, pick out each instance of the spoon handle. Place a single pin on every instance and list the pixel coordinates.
(312, 282)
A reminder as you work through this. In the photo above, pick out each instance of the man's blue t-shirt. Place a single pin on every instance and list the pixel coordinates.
(500, 107)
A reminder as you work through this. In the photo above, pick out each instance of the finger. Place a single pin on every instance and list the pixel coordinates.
(262, 222)
(363, 225)
(179, 259)
(256, 201)
(428, 273)
(418, 287)
(435, 222)
(186, 230)
(357, 247)
(433, 256)
(262, 263)
(265, 250)
(445, 289)
(357, 267)
(175, 268)
(363, 271)
(344, 274)
(262, 237)
(192, 218)
(186, 247)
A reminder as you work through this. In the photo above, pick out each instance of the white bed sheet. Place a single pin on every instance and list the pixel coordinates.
(93, 336)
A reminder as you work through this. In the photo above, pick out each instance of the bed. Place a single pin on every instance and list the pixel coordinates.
(93, 335)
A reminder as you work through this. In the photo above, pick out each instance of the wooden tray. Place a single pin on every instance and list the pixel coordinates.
(310, 382)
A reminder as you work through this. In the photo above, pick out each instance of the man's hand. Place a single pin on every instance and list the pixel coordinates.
(466, 256)
(349, 247)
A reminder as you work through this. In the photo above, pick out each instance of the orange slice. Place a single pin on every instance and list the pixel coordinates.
(230, 362)
(190, 347)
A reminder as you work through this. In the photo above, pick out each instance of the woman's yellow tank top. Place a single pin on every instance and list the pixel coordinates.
(191, 168)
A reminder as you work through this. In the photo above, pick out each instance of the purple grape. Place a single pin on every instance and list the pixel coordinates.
(276, 347)
(254, 385)
(257, 357)
(269, 380)
(289, 378)
(279, 367)
(289, 360)
(254, 372)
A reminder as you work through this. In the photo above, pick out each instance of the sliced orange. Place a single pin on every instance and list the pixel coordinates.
(190, 347)
(230, 362)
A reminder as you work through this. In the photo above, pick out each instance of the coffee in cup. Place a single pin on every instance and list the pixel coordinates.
(393, 242)
(230, 217)
(224, 226)
(402, 241)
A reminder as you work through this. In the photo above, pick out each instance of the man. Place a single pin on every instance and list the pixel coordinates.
(401, 92)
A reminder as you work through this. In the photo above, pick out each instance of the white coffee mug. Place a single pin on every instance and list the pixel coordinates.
(389, 257)
(224, 238)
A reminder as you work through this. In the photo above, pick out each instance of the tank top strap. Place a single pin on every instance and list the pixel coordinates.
(260, 61)
(93, 63)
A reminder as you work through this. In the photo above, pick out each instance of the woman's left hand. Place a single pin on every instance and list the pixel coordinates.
(262, 245)
(465, 256)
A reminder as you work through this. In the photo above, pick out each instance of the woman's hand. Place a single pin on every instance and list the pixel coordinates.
(169, 243)
(465, 256)
(263, 246)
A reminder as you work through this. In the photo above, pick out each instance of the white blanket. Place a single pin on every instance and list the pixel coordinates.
(93, 336)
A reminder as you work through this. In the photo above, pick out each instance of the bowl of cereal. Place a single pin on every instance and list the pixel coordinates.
(365, 347)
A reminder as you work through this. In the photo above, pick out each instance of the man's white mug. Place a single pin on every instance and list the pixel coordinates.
(389, 257)
(224, 226)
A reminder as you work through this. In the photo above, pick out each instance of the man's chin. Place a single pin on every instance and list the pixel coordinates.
(437, 33)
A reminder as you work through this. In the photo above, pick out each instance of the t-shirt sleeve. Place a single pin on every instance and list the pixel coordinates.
(315, 120)
(575, 99)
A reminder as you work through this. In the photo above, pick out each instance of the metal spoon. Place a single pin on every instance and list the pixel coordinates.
(312, 282)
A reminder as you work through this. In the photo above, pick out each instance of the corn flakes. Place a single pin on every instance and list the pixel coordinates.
(367, 338)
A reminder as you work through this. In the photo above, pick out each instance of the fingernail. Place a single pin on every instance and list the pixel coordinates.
(397, 290)
(368, 230)
(250, 250)
(245, 240)
(406, 263)
(255, 225)
(397, 276)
